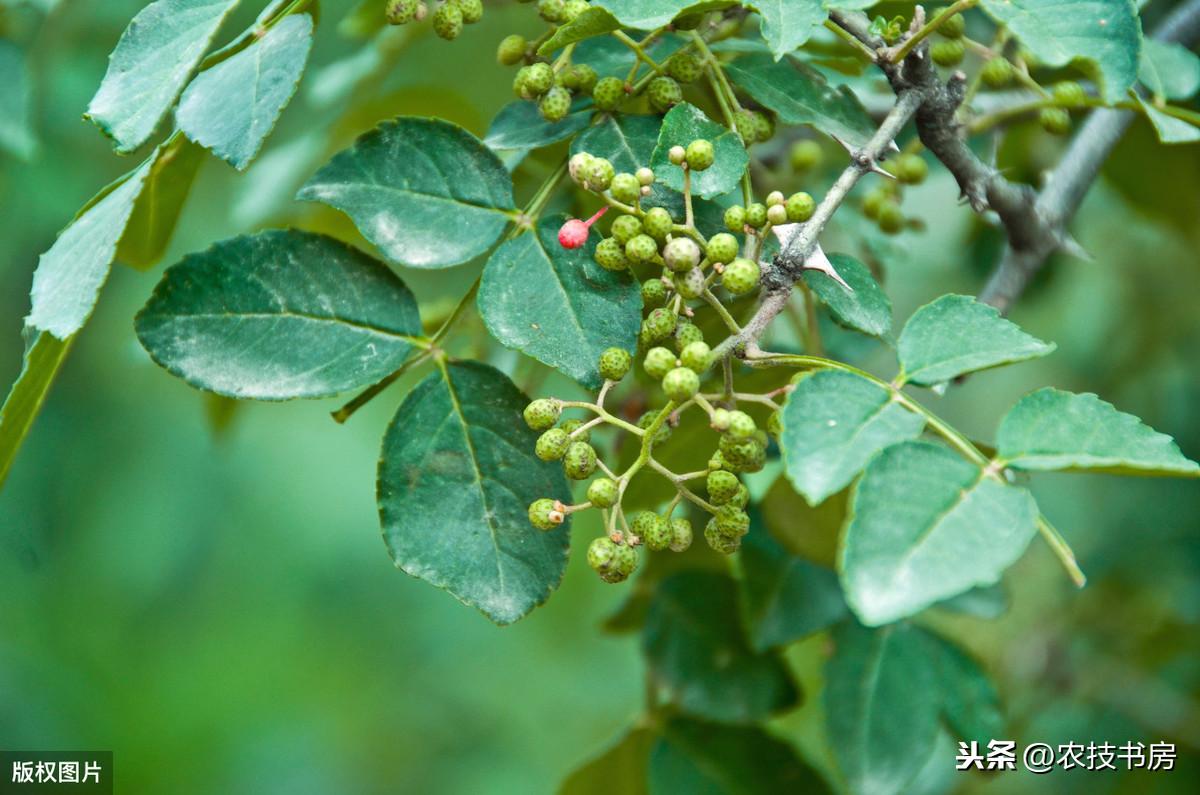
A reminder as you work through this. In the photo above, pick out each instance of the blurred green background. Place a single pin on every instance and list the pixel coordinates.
(218, 608)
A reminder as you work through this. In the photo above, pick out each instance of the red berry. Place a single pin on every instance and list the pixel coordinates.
(574, 233)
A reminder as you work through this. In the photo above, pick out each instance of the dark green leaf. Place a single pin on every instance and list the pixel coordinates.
(698, 758)
(16, 125)
(620, 769)
(456, 477)
(801, 95)
(279, 315)
(1106, 32)
(833, 424)
(425, 191)
(232, 107)
(969, 701)
(696, 649)
(788, 23)
(556, 304)
(881, 719)
(804, 530)
(628, 142)
(927, 525)
(685, 123)
(519, 125)
(1053, 429)
(150, 66)
(867, 309)
(957, 334)
(44, 356)
(158, 206)
(1169, 70)
(69, 276)
(594, 21)
(787, 597)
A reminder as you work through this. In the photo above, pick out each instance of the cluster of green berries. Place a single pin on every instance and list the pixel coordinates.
(754, 126)
(448, 19)
(552, 89)
(882, 204)
(776, 211)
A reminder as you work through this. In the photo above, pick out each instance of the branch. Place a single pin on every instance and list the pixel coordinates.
(1065, 188)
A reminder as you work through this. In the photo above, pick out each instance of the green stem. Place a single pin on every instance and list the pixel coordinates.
(929, 28)
(638, 50)
(727, 318)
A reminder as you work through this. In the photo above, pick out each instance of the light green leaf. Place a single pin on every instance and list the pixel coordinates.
(696, 649)
(1169, 70)
(968, 698)
(699, 758)
(647, 14)
(880, 713)
(279, 315)
(456, 477)
(833, 424)
(1106, 32)
(43, 357)
(788, 23)
(1169, 129)
(800, 95)
(595, 21)
(786, 597)
(927, 525)
(620, 769)
(867, 309)
(16, 123)
(519, 125)
(426, 192)
(987, 602)
(69, 276)
(158, 206)
(685, 123)
(1053, 429)
(556, 304)
(957, 334)
(150, 66)
(232, 107)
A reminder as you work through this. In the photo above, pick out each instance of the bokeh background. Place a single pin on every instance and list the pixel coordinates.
(203, 589)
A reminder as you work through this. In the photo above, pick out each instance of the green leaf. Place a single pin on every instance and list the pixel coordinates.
(519, 125)
(279, 315)
(1169, 129)
(626, 140)
(158, 206)
(685, 123)
(968, 698)
(867, 309)
(595, 21)
(880, 712)
(232, 107)
(927, 525)
(811, 532)
(957, 334)
(556, 304)
(454, 495)
(1053, 429)
(789, 23)
(647, 14)
(1169, 70)
(16, 123)
(833, 424)
(1106, 32)
(69, 276)
(987, 602)
(696, 649)
(43, 357)
(621, 768)
(700, 758)
(426, 192)
(800, 95)
(153, 60)
(787, 597)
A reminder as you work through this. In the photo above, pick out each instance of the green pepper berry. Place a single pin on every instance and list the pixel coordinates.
(681, 254)
(873, 201)
(1069, 94)
(722, 247)
(610, 256)
(742, 455)
(681, 534)
(471, 10)
(721, 486)
(696, 356)
(690, 285)
(664, 93)
(742, 497)
(687, 332)
(773, 198)
(448, 22)
(625, 188)
(626, 227)
(573, 8)
(1055, 121)
(735, 218)
(641, 248)
(544, 514)
(948, 53)
(764, 126)
(732, 521)
(608, 93)
(676, 155)
(997, 73)
(719, 420)
(603, 492)
(542, 413)
(654, 530)
(777, 215)
(579, 462)
(660, 324)
(572, 427)
(684, 67)
(756, 215)
(953, 27)
(578, 165)
(700, 154)
(601, 554)
(775, 424)
(911, 169)
(662, 434)
(644, 176)
(800, 207)
(401, 12)
(741, 425)
(539, 78)
(890, 217)
(754, 126)
(625, 561)
(658, 362)
(740, 276)
(658, 223)
(681, 384)
(719, 541)
(555, 104)
(553, 11)
(654, 293)
(511, 50)
(599, 174)
(552, 445)
(717, 461)
(743, 122)
(805, 155)
(584, 77)
(614, 363)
